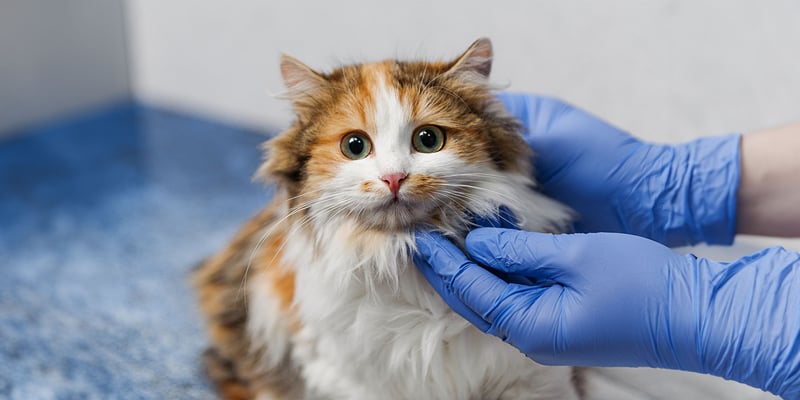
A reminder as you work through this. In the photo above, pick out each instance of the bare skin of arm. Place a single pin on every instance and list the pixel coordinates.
(769, 186)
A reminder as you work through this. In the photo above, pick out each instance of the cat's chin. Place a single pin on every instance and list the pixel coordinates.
(397, 215)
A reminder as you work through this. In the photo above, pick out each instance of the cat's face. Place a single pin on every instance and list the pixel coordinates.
(395, 144)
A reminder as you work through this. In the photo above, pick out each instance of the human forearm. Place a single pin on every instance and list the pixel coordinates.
(769, 188)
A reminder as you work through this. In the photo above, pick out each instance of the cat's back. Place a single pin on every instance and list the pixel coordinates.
(236, 364)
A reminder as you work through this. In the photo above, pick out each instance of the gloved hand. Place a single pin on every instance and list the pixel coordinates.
(674, 194)
(608, 299)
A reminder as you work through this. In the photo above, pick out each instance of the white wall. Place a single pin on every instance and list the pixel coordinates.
(666, 70)
(59, 57)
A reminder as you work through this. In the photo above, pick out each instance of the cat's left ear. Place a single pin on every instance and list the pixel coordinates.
(476, 63)
(302, 84)
(298, 77)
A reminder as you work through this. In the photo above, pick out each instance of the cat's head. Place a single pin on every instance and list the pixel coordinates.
(395, 144)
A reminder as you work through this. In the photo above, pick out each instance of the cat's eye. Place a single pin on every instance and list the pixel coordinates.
(428, 139)
(356, 145)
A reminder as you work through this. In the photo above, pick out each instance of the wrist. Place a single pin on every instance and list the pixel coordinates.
(696, 201)
(713, 185)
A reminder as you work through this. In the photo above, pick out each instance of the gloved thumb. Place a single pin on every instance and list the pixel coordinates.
(530, 254)
(452, 274)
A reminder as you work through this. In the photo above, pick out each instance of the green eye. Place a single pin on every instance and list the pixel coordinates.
(356, 145)
(428, 139)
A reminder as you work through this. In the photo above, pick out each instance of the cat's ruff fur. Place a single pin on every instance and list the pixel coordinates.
(317, 296)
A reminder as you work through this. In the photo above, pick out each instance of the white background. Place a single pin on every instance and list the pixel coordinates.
(665, 70)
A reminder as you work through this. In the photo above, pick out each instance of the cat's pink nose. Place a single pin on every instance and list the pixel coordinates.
(394, 180)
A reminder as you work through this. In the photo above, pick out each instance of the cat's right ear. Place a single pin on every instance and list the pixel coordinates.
(475, 64)
(302, 82)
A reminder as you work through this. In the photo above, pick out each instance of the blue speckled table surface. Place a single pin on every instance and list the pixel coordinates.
(101, 218)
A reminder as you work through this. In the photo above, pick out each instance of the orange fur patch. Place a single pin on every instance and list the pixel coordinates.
(422, 186)
(280, 277)
(367, 186)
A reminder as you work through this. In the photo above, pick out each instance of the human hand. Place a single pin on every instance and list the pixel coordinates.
(674, 194)
(610, 299)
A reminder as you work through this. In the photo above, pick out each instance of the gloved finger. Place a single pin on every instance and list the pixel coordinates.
(474, 286)
(439, 284)
(518, 300)
(517, 252)
(540, 115)
(504, 218)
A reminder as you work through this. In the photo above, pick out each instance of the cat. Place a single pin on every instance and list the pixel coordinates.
(317, 296)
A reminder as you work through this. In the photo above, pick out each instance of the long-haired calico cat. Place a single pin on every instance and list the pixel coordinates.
(317, 296)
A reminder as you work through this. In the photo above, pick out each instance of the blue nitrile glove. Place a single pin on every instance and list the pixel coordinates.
(609, 299)
(675, 194)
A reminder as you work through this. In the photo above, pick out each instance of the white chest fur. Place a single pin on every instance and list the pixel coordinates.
(373, 328)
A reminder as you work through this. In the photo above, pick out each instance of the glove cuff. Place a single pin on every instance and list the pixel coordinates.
(709, 169)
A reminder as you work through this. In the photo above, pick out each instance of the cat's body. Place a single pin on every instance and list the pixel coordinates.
(318, 297)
